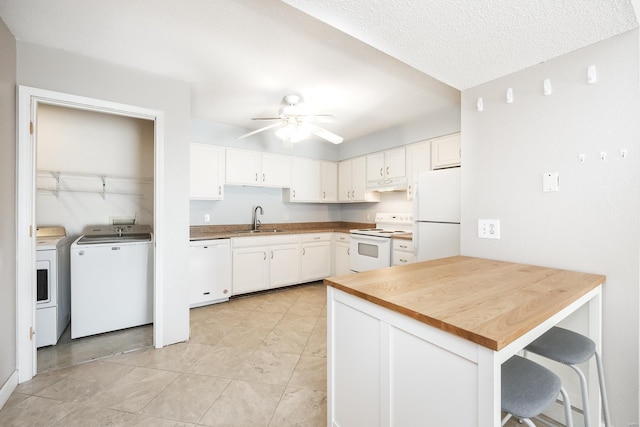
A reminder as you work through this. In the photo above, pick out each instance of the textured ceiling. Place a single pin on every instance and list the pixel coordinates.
(373, 64)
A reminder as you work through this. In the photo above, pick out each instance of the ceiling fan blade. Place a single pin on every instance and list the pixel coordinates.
(325, 134)
(266, 118)
(260, 130)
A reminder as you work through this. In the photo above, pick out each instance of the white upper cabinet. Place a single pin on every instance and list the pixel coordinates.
(329, 181)
(206, 172)
(445, 151)
(352, 181)
(386, 165)
(418, 160)
(305, 181)
(245, 167)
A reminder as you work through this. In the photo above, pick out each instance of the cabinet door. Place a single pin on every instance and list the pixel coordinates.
(315, 261)
(445, 151)
(358, 178)
(283, 265)
(305, 180)
(344, 181)
(418, 160)
(329, 182)
(243, 167)
(276, 170)
(395, 163)
(375, 167)
(250, 270)
(342, 263)
(206, 172)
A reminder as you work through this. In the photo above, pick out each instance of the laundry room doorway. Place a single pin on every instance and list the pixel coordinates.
(83, 162)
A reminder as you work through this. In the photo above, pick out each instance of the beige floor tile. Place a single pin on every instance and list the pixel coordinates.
(41, 381)
(316, 345)
(209, 333)
(306, 308)
(219, 314)
(301, 407)
(297, 322)
(244, 404)
(268, 367)
(285, 341)
(310, 373)
(187, 398)
(35, 411)
(244, 337)
(85, 381)
(261, 319)
(177, 357)
(222, 362)
(134, 391)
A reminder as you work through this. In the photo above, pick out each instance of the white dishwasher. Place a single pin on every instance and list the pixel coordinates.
(111, 279)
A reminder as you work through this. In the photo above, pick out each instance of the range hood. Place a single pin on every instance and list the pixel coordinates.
(390, 184)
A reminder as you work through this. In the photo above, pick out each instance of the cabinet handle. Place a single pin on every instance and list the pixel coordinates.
(409, 190)
(219, 190)
(263, 178)
(403, 246)
(349, 251)
(303, 251)
(294, 194)
(403, 260)
(316, 238)
(387, 170)
(265, 255)
(226, 291)
(324, 195)
(206, 293)
(256, 176)
(271, 254)
(381, 174)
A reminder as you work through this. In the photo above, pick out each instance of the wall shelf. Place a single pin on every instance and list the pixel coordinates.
(56, 182)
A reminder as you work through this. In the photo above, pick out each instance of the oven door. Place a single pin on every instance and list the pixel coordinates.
(369, 252)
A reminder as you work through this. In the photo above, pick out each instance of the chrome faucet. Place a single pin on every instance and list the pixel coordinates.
(256, 221)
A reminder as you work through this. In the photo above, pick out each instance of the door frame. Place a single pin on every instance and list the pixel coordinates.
(28, 100)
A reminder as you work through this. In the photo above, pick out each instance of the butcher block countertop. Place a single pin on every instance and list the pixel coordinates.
(491, 303)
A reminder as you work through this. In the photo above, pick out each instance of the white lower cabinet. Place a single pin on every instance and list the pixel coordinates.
(402, 252)
(315, 256)
(261, 263)
(210, 271)
(341, 254)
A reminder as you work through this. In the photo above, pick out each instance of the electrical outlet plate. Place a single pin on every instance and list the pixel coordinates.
(489, 228)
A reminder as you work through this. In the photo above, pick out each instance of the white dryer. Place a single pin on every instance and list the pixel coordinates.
(53, 303)
(111, 279)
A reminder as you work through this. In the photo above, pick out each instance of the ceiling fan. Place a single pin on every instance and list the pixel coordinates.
(294, 123)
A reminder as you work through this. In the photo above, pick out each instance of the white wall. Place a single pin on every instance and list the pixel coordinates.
(593, 223)
(8, 206)
(62, 71)
(83, 144)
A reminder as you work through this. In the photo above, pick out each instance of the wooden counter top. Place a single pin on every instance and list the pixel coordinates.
(209, 232)
(491, 303)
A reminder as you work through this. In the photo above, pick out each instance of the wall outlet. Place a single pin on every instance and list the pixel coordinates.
(207, 217)
(489, 228)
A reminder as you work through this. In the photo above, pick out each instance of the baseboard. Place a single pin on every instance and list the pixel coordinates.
(8, 387)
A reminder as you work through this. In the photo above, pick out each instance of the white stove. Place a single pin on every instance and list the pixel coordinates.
(370, 248)
(388, 224)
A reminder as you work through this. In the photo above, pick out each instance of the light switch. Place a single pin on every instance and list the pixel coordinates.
(550, 181)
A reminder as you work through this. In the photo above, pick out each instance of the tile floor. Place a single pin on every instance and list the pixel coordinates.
(255, 361)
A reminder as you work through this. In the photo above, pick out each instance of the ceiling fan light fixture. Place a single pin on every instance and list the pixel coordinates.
(293, 132)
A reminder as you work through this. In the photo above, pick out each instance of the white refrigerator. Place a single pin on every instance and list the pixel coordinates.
(437, 213)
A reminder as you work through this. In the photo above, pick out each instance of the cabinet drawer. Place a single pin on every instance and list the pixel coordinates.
(402, 258)
(315, 237)
(341, 238)
(403, 245)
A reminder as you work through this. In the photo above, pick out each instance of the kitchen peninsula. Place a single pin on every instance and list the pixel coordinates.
(425, 341)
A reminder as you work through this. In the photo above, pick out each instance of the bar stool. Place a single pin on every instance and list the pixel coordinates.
(571, 348)
(528, 389)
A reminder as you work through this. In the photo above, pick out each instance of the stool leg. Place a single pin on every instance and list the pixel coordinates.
(528, 422)
(603, 392)
(568, 418)
(505, 419)
(585, 396)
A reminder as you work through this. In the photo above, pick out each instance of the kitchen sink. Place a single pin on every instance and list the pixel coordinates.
(259, 231)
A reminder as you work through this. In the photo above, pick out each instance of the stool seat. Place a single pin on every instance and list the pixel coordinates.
(563, 346)
(527, 388)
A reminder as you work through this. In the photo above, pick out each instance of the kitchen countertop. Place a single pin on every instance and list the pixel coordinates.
(211, 232)
(491, 303)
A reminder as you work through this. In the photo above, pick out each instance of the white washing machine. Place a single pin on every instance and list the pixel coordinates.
(111, 279)
(53, 303)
